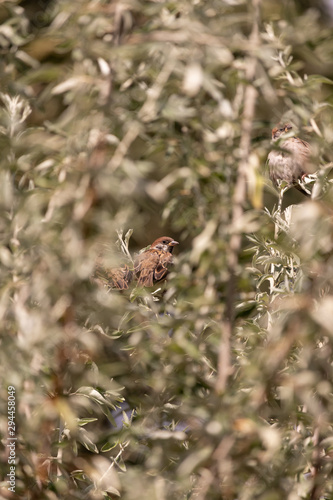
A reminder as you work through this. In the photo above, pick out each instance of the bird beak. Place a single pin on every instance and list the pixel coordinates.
(173, 243)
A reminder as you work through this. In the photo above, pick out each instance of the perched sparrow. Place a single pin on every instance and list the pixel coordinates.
(292, 163)
(152, 265)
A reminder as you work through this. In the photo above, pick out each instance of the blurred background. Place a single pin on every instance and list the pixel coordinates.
(156, 117)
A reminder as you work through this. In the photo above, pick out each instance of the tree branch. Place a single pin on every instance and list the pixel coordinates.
(250, 97)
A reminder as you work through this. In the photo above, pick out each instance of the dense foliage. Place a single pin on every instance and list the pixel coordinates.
(155, 116)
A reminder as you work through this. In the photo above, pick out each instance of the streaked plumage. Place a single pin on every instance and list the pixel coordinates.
(152, 265)
(292, 162)
(119, 278)
(116, 277)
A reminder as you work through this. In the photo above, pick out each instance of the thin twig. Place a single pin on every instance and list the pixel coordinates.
(148, 111)
(123, 245)
(119, 30)
(204, 482)
(124, 145)
(317, 487)
(60, 449)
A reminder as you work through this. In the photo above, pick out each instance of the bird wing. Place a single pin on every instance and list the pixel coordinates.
(162, 268)
(119, 278)
(297, 146)
(291, 162)
(300, 151)
(152, 266)
(145, 265)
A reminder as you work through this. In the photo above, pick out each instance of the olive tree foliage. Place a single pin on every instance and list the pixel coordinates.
(123, 121)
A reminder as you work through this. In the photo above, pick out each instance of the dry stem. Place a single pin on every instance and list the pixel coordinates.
(250, 96)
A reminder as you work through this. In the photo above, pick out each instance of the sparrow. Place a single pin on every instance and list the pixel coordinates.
(151, 266)
(292, 162)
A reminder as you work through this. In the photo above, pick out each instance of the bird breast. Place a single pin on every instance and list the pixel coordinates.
(291, 164)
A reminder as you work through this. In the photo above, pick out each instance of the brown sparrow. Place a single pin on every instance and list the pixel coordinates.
(152, 265)
(292, 162)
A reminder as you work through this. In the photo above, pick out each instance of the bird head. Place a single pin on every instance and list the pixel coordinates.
(164, 243)
(280, 130)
